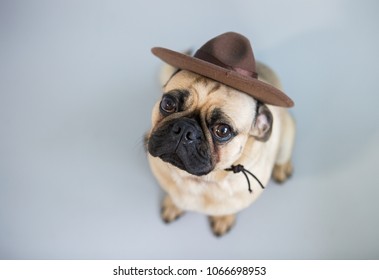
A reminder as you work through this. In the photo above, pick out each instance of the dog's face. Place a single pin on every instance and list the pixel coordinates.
(200, 125)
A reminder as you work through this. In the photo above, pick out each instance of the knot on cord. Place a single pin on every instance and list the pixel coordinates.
(240, 168)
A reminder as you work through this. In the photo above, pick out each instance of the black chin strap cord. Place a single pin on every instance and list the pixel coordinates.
(240, 168)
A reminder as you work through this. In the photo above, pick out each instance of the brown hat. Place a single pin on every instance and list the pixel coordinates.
(228, 59)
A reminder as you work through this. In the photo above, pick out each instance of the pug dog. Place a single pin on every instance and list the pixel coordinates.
(219, 132)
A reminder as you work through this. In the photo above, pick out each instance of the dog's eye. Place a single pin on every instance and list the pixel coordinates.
(222, 132)
(168, 104)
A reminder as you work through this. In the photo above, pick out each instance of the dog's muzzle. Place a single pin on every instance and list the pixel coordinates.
(182, 143)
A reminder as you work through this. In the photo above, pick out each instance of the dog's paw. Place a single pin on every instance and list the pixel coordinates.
(169, 211)
(221, 224)
(282, 172)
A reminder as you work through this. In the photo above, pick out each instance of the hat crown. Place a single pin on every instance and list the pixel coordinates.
(228, 59)
(229, 50)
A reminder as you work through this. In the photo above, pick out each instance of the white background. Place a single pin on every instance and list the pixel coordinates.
(77, 85)
(188, 269)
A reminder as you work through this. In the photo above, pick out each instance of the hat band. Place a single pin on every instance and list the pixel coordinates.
(211, 59)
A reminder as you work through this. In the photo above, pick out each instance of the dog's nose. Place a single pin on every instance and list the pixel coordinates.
(186, 131)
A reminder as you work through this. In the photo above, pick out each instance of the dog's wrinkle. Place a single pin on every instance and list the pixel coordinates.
(177, 144)
(215, 88)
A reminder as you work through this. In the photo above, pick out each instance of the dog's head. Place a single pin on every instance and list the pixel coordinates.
(200, 125)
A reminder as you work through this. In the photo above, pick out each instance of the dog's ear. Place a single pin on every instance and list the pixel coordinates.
(166, 74)
(262, 123)
(168, 71)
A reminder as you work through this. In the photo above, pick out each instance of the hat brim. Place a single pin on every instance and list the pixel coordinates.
(260, 90)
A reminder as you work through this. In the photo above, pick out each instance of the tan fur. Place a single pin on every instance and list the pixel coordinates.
(282, 172)
(221, 193)
(169, 210)
(222, 224)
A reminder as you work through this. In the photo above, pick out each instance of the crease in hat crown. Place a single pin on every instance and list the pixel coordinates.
(228, 59)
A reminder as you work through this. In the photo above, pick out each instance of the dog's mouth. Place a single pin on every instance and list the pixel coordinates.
(173, 159)
(194, 165)
(184, 158)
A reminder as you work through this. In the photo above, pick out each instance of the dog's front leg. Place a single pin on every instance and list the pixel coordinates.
(169, 211)
(222, 224)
